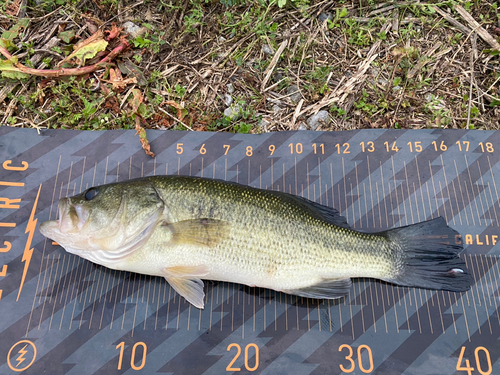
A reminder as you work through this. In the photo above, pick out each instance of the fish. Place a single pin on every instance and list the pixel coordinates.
(190, 229)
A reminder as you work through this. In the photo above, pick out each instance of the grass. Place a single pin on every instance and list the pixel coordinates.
(189, 53)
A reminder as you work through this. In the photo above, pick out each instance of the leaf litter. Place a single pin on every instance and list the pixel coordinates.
(369, 64)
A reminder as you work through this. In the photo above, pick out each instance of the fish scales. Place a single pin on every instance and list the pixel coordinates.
(187, 229)
(271, 236)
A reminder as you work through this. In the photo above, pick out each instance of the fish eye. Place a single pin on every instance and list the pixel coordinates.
(91, 193)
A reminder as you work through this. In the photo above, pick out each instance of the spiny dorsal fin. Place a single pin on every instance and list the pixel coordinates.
(332, 215)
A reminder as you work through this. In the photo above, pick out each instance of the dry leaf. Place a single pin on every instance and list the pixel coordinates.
(142, 136)
(181, 111)
(114, 32)
(136, 100)
(118, 82)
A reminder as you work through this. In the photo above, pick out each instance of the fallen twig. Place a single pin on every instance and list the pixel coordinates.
(464, 29)
(272, 64)
(481, 31)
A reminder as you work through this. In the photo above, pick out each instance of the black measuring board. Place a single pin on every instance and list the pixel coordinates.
(61, 314)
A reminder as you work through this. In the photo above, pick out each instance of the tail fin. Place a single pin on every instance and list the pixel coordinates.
(428, 257)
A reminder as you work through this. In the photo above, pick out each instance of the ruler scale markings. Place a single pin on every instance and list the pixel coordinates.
(345, 192)
(456, 196)
(136, 302)
(147, 305)
(409, 194)
(127, 296)
(83, 269)
(168, 308)
(447, 189)
(371, 193)
(396, 193)
(82, 298)
(472, 189)
(352, 208)
(495, 186)
(492, 206)
(79, 269)
(361, 303)
(178, 313)
(58, 285)
(46, 289)
(95, 298)
(452, 313)
(484, 297)
(319, 180)
(366, 207)
(487, 274)
(351, 320)
(357, 192)
(416, 203)
(420, 187)
(469, 266)
(378, 199)
(66, 290)
(465, 318)
(470, 204)
(429, 199)
(403, 202)
(493, 263)
(383, 303)
(104, 300)
(428, 310)
(480, 194)
(107, 288)
(52, 291)
(434, 189)
(405, 292)
(43, 254)
(117, 286)
(160, 284)
(417, 310)
(496, 221)
(440, 312)
(444, 204)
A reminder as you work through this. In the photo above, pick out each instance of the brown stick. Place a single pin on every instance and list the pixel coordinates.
(464, 29)
(65, 72)
(481, 31)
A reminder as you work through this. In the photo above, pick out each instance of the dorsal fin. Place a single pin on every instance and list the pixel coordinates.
(329, 214)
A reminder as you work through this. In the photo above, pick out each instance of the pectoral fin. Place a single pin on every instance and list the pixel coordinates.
(327, 289)
(187, 282)
(201, 232)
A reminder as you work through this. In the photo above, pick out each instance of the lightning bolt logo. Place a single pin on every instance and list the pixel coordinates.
(22, 353)
(22, 362)
(28, 250)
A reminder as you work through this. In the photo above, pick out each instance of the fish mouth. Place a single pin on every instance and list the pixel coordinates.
(69, 218)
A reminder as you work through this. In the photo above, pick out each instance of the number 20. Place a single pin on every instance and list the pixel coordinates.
(238, 348)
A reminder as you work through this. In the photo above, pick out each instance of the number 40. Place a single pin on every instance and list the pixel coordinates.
(467, 367)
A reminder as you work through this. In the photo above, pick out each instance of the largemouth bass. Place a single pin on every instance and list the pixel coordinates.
(187, 229)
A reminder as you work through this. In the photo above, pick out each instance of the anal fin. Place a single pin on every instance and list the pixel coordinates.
(186, 280)
(326, 289)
